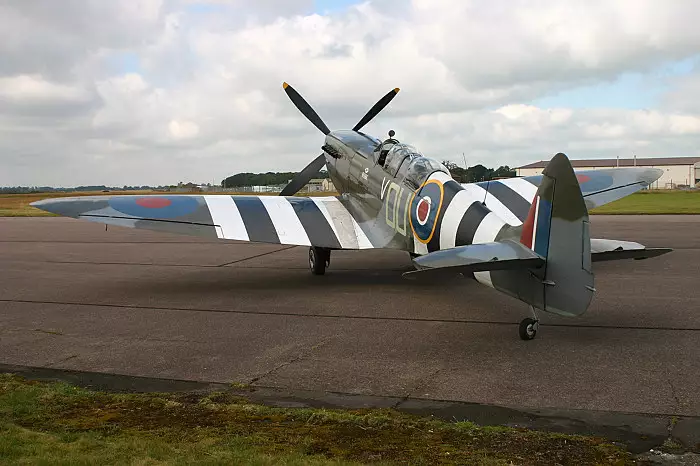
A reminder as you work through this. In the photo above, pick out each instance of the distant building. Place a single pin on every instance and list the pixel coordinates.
(209, 187)
(314, 185)
(678, 171)
(319, 185)
(187, 188)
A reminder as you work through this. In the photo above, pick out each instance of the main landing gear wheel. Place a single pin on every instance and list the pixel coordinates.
(528, 328)
(319, 259)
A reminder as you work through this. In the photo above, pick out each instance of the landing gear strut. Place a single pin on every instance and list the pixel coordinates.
(529, 326)
(319, 259)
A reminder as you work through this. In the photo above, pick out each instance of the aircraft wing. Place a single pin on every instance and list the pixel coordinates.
(304, 221)
(599, 187)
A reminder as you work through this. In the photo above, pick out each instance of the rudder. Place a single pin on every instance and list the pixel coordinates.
(558, 229)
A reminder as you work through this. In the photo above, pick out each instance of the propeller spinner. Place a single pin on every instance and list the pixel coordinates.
(317, 164)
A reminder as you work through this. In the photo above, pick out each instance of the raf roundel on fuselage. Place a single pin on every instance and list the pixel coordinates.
(425, 207)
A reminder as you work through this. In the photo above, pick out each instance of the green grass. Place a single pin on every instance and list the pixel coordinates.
(55, 423)
(654, 202)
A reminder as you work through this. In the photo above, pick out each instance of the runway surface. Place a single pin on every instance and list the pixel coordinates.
(132, 302)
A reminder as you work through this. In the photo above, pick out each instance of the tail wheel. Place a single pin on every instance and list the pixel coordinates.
(528, 328)
(319, 259)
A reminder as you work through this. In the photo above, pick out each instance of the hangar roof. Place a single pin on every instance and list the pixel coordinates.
(641, 162)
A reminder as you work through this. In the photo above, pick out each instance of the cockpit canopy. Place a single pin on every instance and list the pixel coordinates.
(397, 155)
(404, 161)
(421, 168)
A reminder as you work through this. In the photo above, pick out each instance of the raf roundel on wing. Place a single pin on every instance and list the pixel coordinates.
(161, 207)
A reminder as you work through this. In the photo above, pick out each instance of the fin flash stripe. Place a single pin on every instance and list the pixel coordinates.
(535, 234)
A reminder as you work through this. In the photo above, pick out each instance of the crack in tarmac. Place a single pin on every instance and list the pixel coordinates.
(256, 256)
(341, 316)
(297, 358)
(62, 360)
(419, 384)
(674, 394)
(113, 337)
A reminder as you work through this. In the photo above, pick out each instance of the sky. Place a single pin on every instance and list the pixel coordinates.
(134, 92)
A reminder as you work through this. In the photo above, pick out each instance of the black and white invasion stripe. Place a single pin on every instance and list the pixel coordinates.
(322, 222)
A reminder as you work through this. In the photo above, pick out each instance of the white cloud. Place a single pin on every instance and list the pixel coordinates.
(26, 89)
(158, 91)
(183, 129)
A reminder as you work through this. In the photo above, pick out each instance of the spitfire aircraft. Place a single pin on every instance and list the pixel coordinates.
(526, 237)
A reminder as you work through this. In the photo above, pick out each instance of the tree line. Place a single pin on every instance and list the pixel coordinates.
(469, 175)
(262, 179)
(478, 172)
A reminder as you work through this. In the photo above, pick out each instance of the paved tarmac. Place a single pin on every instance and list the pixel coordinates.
(138, 303)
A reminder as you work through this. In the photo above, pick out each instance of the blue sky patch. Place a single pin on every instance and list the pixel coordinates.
(124, 62)
(629, 91)
(329, 6)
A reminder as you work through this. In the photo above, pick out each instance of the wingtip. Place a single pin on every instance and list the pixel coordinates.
(40, 203)
(396, 90)
(285, 85)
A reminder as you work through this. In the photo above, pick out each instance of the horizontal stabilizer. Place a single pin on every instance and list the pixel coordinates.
(609, 250)
(502, 255)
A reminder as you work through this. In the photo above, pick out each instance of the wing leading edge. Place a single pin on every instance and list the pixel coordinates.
(303, 221)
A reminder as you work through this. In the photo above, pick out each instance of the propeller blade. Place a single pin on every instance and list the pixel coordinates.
(378, 107)
(304, 176)
(305, 108)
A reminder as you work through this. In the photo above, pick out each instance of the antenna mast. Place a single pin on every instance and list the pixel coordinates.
(486, 192)
(488, 182)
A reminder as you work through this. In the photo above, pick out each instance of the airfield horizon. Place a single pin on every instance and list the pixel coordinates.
(648, 202)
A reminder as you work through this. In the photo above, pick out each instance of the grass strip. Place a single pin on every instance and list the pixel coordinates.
(56, 423)
(654, 203)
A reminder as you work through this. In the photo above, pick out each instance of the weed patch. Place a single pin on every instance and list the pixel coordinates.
(59, 423)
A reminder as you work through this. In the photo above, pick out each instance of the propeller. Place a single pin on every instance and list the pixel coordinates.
(317, 164)
(305, 108)
(378, 107)
(304, 176)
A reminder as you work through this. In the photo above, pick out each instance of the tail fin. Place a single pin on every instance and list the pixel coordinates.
(559, 231)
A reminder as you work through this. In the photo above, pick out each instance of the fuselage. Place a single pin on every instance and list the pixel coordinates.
(405, 200)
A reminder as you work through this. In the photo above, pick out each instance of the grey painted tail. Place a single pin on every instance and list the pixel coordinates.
(557, 229)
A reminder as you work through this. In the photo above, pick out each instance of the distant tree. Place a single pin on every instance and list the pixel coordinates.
(477, 173)
(504, 171)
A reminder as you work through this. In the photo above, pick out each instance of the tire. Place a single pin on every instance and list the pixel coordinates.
(317, 261)
(528, 329)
